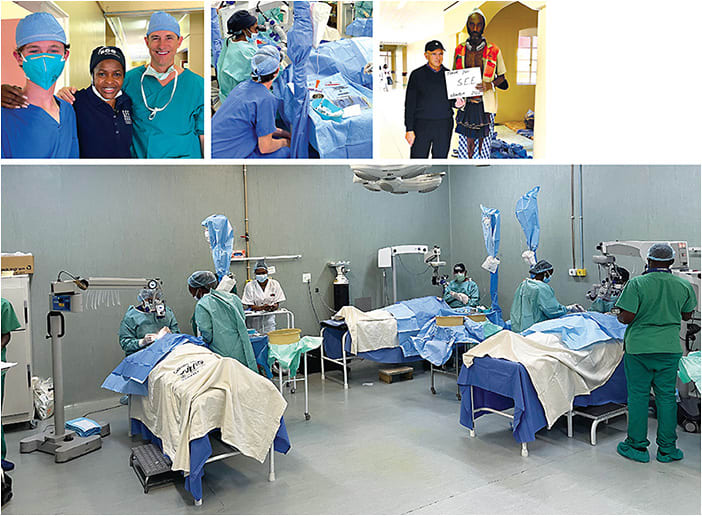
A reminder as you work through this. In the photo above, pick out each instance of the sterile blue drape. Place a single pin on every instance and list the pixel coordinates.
(221, 242)
(300, 40)
(527, 212)
(491, 231)
(216, 35)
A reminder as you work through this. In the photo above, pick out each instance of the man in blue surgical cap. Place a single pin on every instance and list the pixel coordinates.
(219, 316)
(535, 300)
(46, 128)
(244, 127)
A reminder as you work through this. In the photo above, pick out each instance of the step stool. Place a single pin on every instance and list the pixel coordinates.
(395, 374)
(152, 467)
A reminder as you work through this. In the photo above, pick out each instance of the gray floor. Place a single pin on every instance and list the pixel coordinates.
(376, 450)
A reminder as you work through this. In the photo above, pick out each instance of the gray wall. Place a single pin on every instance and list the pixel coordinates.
(619, 203)
(141, 221)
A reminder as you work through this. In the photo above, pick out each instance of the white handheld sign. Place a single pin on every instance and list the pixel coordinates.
(461, 83)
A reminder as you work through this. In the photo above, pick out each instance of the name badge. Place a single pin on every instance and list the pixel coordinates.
(127, 117)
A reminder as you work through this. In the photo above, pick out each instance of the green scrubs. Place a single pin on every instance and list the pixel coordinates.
(652, 353)
(175, 131)
(534, 301)
(467, 287)
(136, 324)
(220, 318)
(9, 324)
(234, 65)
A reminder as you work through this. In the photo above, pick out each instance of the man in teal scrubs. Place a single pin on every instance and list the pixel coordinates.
(9, 324)
(168, 101)
(653, 306)
(220, 318)
(462, 291)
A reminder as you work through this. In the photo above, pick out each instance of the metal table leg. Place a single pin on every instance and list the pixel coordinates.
(307, 404)
(570, 423)
(321, 353)
(343, 358)
(271, 464)
(525, 452)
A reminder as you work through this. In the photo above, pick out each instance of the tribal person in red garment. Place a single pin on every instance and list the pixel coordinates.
(475, 119)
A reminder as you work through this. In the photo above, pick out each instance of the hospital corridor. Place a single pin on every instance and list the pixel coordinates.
(357, 338)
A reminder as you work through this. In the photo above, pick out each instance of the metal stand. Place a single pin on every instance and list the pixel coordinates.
(341, 362)
(282, 383)
(457, 368)
(597, 414)
(473, 411)
(64, 445)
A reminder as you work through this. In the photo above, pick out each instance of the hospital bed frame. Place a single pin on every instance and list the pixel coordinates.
(344, 359)
(457, 362)
(597, 414)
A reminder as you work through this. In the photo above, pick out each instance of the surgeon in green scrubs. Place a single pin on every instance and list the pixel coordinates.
(234, 63)
(462, 291)
(653, 306)
(219, 316)
(141, 323)
(9, 324)
(535, 300)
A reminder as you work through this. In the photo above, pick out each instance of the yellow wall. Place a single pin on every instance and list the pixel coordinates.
(86, 30)
(503, 30)
(196, 44)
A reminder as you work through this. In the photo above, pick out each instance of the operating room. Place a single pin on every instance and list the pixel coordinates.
(373, 447)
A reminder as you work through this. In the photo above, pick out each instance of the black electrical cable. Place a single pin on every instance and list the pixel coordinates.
(314, 310)
(399, 259)
(325, 304)
(102, 410)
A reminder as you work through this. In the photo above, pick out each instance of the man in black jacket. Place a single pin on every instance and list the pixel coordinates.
(428, 110)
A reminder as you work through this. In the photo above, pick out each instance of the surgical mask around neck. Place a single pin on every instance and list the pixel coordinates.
(160, 76)
(43, 69)
(97, 93)
(460, 276)
(261, 277)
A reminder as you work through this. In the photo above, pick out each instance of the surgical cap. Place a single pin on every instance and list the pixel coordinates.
(541, 266)
(261, 264)
(39, 27)
(146, 293)
(661, 252)
(163, 21)
(201, 279)
(239, 21)
(265, 61)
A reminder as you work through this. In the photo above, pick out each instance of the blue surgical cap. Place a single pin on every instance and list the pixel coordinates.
(541, 266)
(261, 264)
(202, 279)
(661, 252)
(39, 27)
(265, 61)
(163, 21)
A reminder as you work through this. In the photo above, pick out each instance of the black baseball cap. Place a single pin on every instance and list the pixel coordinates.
(433, 45)
(104, 53)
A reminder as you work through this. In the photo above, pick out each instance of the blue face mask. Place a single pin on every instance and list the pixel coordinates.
(251, 38)
(43, 69)
(261, 277)
(547, 279)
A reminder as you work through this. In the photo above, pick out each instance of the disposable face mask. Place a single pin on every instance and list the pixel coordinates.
(43, 69)
(251, 38)
(261, 277)
(160, 76)
(460, 276)
(150, 71)
(547, 279)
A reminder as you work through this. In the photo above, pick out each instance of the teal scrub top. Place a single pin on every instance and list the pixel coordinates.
(467, 287)
(175, 131)
(135, 324)
(9, 322)
(234, 65)
(534, 301)
(658, 299)
(220, 318)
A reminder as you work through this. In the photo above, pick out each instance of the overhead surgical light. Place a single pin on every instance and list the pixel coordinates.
(397, 179)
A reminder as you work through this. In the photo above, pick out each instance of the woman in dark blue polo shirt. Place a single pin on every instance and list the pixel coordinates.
(103, 110)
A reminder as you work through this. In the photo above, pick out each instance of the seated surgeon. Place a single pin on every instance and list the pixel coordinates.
(46, 126)
(535, 300)
(234, 62)
(262, 295)
(103, 111)
(244, 127)
(141, 323)
(219, 316)
(462, 291)
(652, 306)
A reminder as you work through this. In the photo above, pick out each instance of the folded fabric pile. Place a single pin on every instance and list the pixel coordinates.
(84, 426)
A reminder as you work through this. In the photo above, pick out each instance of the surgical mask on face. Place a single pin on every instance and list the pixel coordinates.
(460, 276)
(547, 279)
(251, 37)
(43, 69)
(261, 277)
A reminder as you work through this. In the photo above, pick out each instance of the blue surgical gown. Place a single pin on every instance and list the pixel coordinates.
(32, 133)
(135, 324)
(467, 287)
(247, 114)
(534, 301)
(175, 131)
